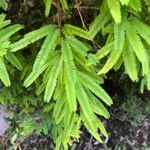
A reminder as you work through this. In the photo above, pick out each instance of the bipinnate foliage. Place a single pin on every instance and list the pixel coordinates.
(6, 30)
(66, 72)
(128, 39)
(67, 81)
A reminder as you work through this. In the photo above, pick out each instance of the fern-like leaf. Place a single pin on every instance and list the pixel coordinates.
(148, 81)
(46, 48)
(83, 62)
(59, 87)
(147, 2)
(4, 74)
(4, 46)
(3, 22)
(115, 9)
(34, 75)
(53, 75)
(42, 57)
(95, 88)
(3, 4)
(105, 50)
(138, 48)
(92, 59)
(89, 70)
(130, 62)
(85, 105)
(64, 4)
(124, 2)
(7, 32)
(118, 64)
(98, 23)
(119, 36)
(48, 7)
(78, 46)
(31, 37)
(13, 60)
(97, 106)
(136, 5)
(90, 128)
(73, 30)
(58, 107)
(70, 79)
(139, 26)
(101, 127)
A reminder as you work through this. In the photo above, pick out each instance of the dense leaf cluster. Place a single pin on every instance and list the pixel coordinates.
(67, 75)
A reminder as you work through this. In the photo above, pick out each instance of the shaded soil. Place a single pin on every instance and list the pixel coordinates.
(123, 135)
(128, 126)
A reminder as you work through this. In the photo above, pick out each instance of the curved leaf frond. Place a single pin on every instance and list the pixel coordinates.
(48, 7)
(115, 9)
(4, 74)
(70, 75)
(136, 5)
(73, 30)
(8, 31)
(31, 37)
(142, 29)
(13, 60)
(40, 63)
(3, 22)
(130, 62)
(95, 88)
(78, 46)
(98, 23)
(64, 4)
(52, 79)
(138, 48)
(97, 106)
(119, 39)
(124, 2)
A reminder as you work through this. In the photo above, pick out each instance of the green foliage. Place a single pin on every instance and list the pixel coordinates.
(66, 69)
(136, 108)
(66, 79)
(115, 9)
(6, 30)
(124, 36)
(3, 4)
(48, 7)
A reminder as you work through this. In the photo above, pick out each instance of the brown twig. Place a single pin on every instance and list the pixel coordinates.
(59, 14)
(86, 7)
(18, 144)
(79, 11)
